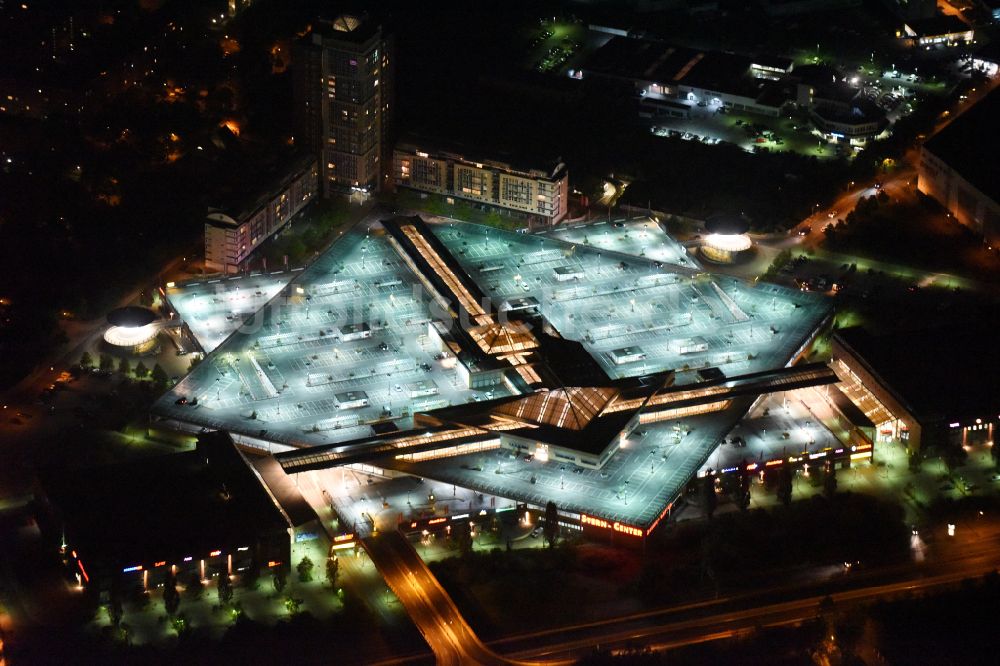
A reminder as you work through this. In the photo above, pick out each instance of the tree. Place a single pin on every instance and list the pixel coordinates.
(280, 579)
(743, 500)
(292, 605)
(159, 375)
(195, 587)
(251, 577)
(171, 597)
(332, 571)
(86, 360)
(141, 370)
(829, 479)
(995, 453)
(224, 589)
(708, 493)
(195, 360)
(107, 363)
(124, 367)
(954, 457)
(785, 484)
(114, 607)
(551, 527)
(463, 538)
(305, 569)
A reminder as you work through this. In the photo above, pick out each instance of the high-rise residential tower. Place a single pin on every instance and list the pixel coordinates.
(343, 95)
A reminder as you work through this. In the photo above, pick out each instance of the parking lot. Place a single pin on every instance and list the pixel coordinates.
(343, 347)
(894, 91)
(679, 318)
(641, 237)
(780, 425)
(214, 308)
(748, 131)
(634, 487)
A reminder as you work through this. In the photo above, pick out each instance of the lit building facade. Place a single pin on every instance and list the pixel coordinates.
(958, 170)
(540, 195)
(231, 236)
(941, 30)
(907, 383)
(343, 88)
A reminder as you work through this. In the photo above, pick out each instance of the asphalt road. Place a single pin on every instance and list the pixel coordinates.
(735, 623)
(974, 551)
(432, 610)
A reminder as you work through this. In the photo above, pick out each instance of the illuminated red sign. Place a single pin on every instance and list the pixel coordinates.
(662, 515)
(435, 521)
(615, 526)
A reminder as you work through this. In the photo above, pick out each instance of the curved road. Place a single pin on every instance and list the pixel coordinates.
(432, 610)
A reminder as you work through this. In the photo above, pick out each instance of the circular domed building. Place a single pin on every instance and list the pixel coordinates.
(132, 330)
(726, 239)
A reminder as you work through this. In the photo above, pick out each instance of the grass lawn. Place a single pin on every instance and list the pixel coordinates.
(458, 209)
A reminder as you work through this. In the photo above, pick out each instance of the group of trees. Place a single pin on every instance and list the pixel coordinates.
(737, 485)
(195, 587)
(741, 548)
(106, 363)
(308, 235)
(911, 233)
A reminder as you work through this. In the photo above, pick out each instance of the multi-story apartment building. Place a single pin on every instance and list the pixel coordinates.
(539, 195)
(343, 88)
(232, 233)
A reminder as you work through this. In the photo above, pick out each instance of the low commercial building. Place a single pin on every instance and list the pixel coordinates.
(959, 169)
(943, 30)
(541, 195)
(928, 388)
(233, 232)
(658, 72)
(200, 514)
(854, 122)
(726, 240)
(132, 330)
(839, 108)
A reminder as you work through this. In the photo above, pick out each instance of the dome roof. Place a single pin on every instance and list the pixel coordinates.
(131, 317)
(726, 224)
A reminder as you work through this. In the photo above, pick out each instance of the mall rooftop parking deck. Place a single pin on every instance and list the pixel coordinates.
(681, 319)
(642, 237)
(342, 348)
(213, 308)
(648, 472)
(786, 424)
(354, 355)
